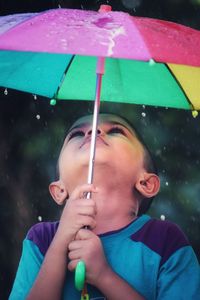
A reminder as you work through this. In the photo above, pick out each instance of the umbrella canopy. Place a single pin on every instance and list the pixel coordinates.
(148, 61)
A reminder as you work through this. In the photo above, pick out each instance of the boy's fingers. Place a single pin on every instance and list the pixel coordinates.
(74, 254)
(87, 221)
(81, 191)
(84, 234)
(72, 264)
(74, 245)
(87, 210)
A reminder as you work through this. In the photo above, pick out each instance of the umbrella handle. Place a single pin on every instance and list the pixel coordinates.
(80, 272)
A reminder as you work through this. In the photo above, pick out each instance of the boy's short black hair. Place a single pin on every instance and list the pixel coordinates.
(149, 165)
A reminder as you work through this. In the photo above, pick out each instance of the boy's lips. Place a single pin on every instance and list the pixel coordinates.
(98, 139)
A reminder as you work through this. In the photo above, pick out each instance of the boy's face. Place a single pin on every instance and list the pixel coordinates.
(117, 149)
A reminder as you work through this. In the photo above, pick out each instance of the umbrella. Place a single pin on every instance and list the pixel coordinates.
(53, 54)
(37, 49)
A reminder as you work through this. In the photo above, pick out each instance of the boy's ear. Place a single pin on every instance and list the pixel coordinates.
(148, 185)
(58, 192)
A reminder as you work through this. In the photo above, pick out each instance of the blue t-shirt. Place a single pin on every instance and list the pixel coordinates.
(153, 256)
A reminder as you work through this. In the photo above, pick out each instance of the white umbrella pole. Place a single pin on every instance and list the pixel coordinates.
(80, 268)
(99, 72)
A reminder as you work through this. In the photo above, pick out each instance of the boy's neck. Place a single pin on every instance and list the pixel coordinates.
(116, 207)
(116, 204)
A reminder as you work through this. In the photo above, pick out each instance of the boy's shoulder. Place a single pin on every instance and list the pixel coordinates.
(162, 237)
(41, 234)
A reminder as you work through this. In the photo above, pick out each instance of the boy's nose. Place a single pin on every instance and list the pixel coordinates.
(99, 131)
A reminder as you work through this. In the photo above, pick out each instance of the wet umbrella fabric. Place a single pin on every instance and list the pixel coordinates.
(148, 61)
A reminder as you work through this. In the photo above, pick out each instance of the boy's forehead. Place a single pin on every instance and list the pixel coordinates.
(103, 118)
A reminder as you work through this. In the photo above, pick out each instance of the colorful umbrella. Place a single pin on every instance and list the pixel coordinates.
(53, 54)
(150, 62)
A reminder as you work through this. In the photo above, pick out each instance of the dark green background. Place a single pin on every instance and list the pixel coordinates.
(30, 145)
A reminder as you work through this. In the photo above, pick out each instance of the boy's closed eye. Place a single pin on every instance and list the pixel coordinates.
(116, 130)
(74, 134)
(113, 130)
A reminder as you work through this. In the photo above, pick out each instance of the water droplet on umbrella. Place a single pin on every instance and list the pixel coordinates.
(53, 102)
(162, 217)
(143, 114)
(35, 97)
(5, 92)
(38, 117)
(195, 113)
(40, 218)
(152, 62)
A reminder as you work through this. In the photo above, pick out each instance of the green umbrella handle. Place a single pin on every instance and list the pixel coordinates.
(80, 275)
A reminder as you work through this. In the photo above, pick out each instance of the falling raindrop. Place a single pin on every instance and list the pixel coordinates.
(151, 62)
(40, 218)
(38, 117)
(166, 183)
(5, 92)
(143, 106)
(35, 97)
(131, 4)
(162, 217)
(143, 114)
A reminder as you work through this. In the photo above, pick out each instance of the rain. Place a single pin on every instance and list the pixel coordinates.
(32, 130)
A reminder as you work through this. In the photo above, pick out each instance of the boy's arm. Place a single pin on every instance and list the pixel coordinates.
(77, 213)
(48, 278)
(40, 277)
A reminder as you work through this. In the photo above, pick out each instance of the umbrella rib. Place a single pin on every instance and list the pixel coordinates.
(63, 77)
(179, 84)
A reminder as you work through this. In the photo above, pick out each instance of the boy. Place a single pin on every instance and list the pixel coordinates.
(126, 256)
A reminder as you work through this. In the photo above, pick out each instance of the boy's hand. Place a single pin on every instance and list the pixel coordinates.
(88, 247)
(77, 213)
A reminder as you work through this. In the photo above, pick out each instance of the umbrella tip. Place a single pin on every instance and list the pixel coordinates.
(195, 113)
(53, 102)
(105, 8)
